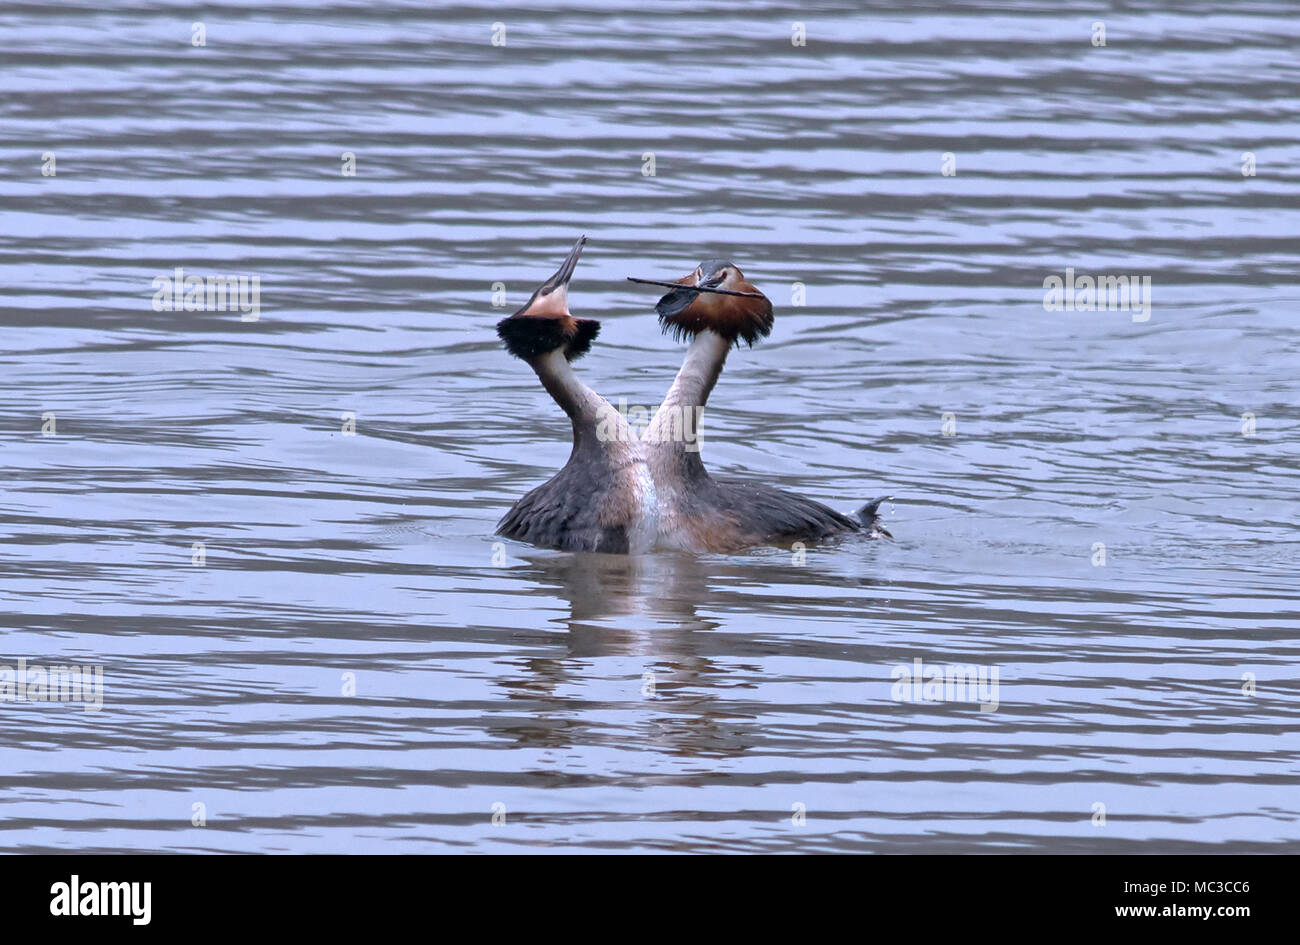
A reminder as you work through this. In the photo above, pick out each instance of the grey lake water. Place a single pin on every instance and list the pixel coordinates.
(273, 535)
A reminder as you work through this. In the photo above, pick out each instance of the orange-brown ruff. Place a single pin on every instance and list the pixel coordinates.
(686, 313)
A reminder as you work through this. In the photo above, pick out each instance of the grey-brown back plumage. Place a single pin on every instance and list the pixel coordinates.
(565, 511)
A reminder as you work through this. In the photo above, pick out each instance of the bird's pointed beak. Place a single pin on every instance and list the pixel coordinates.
(565, 272)
(551, 300)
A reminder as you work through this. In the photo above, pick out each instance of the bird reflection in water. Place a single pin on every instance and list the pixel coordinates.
(653, 612)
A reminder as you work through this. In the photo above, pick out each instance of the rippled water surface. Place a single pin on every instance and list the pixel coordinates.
(1165, 448)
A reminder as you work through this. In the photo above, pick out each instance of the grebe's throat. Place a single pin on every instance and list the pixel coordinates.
(672, 438)
(697, 377)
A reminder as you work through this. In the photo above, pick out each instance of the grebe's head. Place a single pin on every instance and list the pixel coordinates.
(544, 323)
(693, 308)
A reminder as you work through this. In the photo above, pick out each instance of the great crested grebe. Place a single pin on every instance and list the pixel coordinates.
(602, 499)
(699, 512)
(626, 494)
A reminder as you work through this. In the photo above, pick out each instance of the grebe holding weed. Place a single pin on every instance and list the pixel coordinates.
(697, 511)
